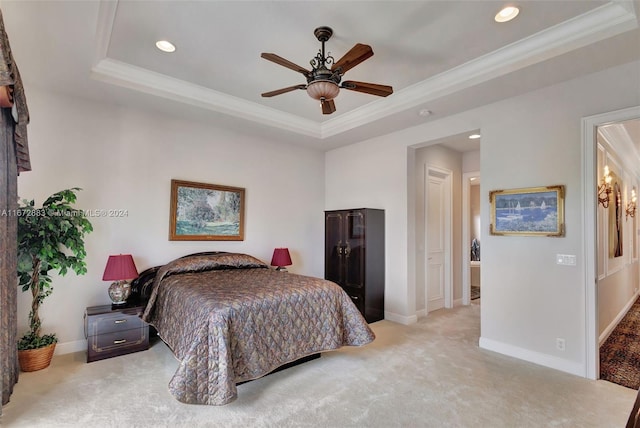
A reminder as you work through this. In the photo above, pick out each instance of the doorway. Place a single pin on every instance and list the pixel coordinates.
(591, 244)
(438, 210)
(436, 164)
(471, 229)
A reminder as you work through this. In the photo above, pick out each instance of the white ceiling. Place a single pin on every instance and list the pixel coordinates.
(626, 137)
(442, 56)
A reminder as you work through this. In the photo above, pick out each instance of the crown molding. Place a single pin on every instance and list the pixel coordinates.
(603, 22)
(140, 79)
(623, 145)
(147, 81)
(600, 23)
(104, 28)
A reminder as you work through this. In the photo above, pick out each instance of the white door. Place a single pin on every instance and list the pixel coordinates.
(438, 239)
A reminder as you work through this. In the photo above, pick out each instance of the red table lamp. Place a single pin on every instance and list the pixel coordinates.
(281, 258)
(120, 269)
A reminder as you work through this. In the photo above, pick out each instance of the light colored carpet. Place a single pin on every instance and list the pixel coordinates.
(431, 374)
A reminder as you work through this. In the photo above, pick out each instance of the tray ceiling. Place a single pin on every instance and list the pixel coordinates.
(440, 56)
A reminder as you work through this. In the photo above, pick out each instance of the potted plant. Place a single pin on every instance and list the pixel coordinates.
(50, 238)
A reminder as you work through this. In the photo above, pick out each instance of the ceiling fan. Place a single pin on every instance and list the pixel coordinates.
(324, 78)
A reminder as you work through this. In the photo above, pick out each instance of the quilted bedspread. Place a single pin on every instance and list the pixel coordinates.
(229, 322)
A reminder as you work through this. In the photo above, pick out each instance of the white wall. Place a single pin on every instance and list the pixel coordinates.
(125, 159)
(363, 173)
(471, 161)
(531, 140)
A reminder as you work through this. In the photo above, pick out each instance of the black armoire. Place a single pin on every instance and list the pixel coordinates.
(354, 257)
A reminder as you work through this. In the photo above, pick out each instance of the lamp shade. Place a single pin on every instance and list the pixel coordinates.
(119, 268)
(281, 257)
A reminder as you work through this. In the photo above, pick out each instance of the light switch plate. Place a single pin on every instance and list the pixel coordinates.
(566, 259)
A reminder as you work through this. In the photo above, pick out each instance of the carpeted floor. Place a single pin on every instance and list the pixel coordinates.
(429, 374)
(475, 292)
(620, 353)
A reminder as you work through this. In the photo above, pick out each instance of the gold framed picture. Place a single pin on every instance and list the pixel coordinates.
(533, 211)
(206, 212)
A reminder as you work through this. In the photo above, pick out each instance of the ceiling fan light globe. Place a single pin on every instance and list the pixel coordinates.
(323, 89)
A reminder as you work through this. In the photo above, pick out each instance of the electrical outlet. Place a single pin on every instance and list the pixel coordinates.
(560, 344)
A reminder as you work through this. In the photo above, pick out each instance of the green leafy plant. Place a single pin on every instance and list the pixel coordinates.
(50, 238)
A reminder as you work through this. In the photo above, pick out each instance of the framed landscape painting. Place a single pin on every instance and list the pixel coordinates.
(534, 211)
(206, 212)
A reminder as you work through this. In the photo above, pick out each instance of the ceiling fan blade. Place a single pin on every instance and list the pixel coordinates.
(328, 107)
(285, 63)
(368, 88)
(355, 56)
(283, 90)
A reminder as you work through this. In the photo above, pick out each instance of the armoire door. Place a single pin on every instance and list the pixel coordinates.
(354, 249)
(354, 257)
(334, 268)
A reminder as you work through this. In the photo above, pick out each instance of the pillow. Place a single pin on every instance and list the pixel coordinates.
(141, 286)
(205, 253)
(198, 262)
(211, 261)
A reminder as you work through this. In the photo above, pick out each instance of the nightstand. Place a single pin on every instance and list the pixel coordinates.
(115, 330)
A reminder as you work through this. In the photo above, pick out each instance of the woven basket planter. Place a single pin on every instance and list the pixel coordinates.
(36, 359)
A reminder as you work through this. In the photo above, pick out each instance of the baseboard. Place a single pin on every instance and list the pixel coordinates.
(400, 319)
(423, 312)
(70, 347)
(541, 359)
(607, 331)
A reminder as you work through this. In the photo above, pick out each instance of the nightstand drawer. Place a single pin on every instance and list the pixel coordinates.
(115, 330)
(118, 343)
(113, 323)
(119, 340)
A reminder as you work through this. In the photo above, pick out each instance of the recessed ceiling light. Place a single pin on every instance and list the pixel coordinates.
(474, 136)
(473, 178)
(165, 46)
(424, 112)
(507, 14)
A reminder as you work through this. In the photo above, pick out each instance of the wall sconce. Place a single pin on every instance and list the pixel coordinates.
(604, 189)
(631, 205)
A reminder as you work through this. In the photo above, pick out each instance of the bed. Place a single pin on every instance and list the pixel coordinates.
(229, 319)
